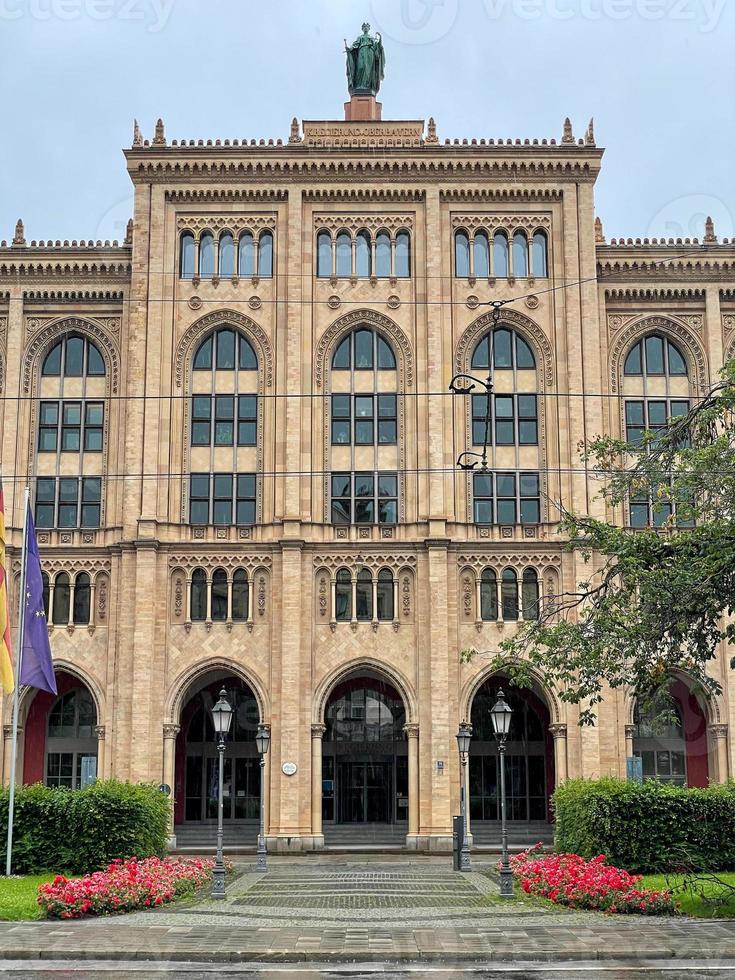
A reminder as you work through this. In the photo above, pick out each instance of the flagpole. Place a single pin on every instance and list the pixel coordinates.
(16, 691)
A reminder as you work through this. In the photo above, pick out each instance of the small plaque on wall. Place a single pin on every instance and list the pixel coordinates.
(289, 768)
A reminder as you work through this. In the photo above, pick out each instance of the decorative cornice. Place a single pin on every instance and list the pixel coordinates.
(342, 559)
(260, 195)
(363, 195)
(229, 561)
(491, 223)
(479, 560)
(335, 221)
(656, 295)
(465, 195)
(72, 296)
(234, 223)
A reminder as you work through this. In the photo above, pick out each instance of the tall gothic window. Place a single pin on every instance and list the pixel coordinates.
(206, 256)
(540, 255)
(363, 429)
(657, 391)
(70, 738)
(223, 429)
(226, 256)
(187, 260)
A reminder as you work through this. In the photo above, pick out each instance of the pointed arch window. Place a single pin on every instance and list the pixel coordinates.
(385, 596)
(363, 255)
(540, 255)
(657, 356)
(198, 604)
(403, 255)
(70, 738)
(73, 357)
(482, 255)
(206, 256)
(82, 597)
(362, 349)
(343, 596)
(501, 267)
(488, 596)
(461, 255)
(187, 256)
(509, 594)
(246, 255)
(226, 256)
(324, 255)
(62, 595)
(382, 255)
(520, 255)
(265, 255)
(344, 255)
(364, 596)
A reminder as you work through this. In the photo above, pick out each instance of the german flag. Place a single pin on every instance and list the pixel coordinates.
(6, 657)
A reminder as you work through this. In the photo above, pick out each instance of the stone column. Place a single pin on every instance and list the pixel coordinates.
(629, 736)
(169, 774)
(99, 731)
(560, 752)
(317, 735)
(412, 734)
(718, 734)
(8, 751)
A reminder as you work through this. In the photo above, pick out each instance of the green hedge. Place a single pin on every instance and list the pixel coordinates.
(74, 832)
(647, 827)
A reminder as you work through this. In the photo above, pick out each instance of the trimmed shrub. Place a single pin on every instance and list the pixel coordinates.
(83, 830)
(648, 827)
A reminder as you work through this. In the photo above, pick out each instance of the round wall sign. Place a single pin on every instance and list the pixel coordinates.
(289, 768)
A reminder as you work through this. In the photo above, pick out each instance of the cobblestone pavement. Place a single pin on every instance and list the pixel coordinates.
(394, 912)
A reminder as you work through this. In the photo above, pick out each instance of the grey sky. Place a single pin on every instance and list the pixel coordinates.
(658, 76)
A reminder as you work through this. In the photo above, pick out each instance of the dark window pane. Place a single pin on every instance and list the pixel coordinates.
(657, 414)
(248, 360)
(363, 432)
(527, 432)
(324, 254)
(506, 484)
(74, 359)
(639, 515)
(265, 255)
(480, 358)
(500, 256)
(503, 357)
(530, 512)
(504, 435)
(246, 257)
(203, 356)
(382, 255)
(340, 484)
(633, 361)
(387, 433)
(524, 355)
(95, 364)
(483, 484)
(364, 484)
(200, 485)
(677, 364)
(483, 511)
(529, 485)
(199, 512)
(246, 485)
(386, 357)
(47, 440)
(52, 364)
(246, 512)
(482, 256)
(364, 511)
(225, 350)
(364, 350)
(340, 432)
(222, 512)
(506, 511)
(403, 255)
(388, 511)
(70, 440)
(226, 255)
(222, 485)
(341, 511)
(461, 255)
(341, 358)
(540, 255)
(387, 485)
(634, 413)
(49, 414)
(363, 258)
(654, 355)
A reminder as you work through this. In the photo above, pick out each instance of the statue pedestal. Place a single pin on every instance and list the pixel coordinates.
(363, 108)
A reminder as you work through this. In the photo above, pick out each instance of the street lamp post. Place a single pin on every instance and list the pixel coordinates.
(500, 715)
(262, 741)
(464, 735)
(221, 720)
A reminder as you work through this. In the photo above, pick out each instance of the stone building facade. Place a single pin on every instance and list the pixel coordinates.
(241, 446)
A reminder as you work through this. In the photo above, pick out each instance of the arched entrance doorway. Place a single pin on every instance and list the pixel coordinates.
(365, 762)
(62, 736)
(529, 761)
(196, 784)
(670, 738)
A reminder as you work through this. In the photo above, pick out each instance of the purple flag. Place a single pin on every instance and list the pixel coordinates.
(36, 667)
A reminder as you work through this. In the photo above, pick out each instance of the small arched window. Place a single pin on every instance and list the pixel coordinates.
(363, 255)
(246, 256)
(46, 593)
(206, 256)
(344, 254)
(81, 599)
(186, 267)
(488, 596)
(219, 595)
(265, 255)
(403, 255)
(240, 598)
(482, 255)
(198, 595)
(540, 255)
(226, 256)
(382, 255)
(520, 255)
(61, 599)
(461, 255)
(500, 255)
(530, 594)
(364, 348)
(324, 254)
(509, 594)
(655, 355)
(226, 349)
(386, 604)
(364, 595)
(343, 596)
(73, 357)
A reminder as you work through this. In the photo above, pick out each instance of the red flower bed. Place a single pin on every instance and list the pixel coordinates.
(568, 879)
(123, 887)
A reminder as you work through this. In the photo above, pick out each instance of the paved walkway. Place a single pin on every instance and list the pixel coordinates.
(332, 912)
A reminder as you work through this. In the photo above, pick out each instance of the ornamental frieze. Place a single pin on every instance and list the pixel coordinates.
(479, 560)
(235, 223)
(229, 562)
(372, 562)
(373, 222)
(500, 222)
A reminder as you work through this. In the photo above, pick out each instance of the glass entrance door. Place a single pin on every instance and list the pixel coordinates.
(366, 792)
(240, 788)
